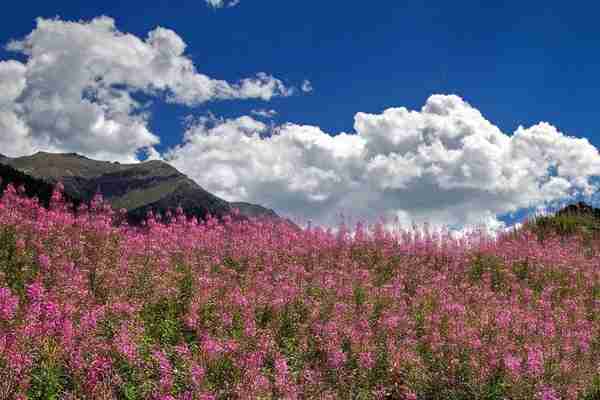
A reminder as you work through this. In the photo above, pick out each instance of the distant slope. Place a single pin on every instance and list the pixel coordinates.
(33, 187)
(252, 210)
(578, 218)
(581, 209)
(138, 188)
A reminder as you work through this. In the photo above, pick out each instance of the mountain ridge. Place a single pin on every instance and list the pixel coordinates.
(138, 187)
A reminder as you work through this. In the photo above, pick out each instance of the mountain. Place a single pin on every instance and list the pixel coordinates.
(138, 188)
(252, 210)
(580, 208)
(33, 187)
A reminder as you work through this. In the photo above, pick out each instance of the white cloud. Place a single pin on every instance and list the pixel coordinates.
(307, 86)
(445, 164)
(13, 131)
(263, 113)
(222, 3)
(77, 89)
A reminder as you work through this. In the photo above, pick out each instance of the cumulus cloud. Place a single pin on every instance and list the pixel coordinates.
(445, 164)
(13, 131)
(263, 113)
(83, 87)
(307, 86)
(78, 89)
(222, 3)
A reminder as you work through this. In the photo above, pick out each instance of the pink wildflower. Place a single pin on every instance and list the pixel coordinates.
(35, 291)
(44, 262)
(548, 393)
(336, 358)
(366, 360)
(535, 361)
(8, 304)
(513, 364)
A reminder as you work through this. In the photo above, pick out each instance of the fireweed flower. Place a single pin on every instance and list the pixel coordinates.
(35, 291)
(197, 374)
(503, 319)
(255, 307)
(366, 360)
(8, 304)
(125, 344)
(548, 393)
(513, 364)
(535, 361)
(336, 358)
(98, 370)
(44, 262)
(410, 396)
(211, 346)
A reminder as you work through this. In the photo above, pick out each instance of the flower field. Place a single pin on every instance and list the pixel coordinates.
(258, 310)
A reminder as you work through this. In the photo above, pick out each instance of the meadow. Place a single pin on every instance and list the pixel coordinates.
(93, 309)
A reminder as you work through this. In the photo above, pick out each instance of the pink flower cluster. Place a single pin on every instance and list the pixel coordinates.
(258, 309)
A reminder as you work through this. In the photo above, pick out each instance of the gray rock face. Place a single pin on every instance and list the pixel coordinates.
(138, 188)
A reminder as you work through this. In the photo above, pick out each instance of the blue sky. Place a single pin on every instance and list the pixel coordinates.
(518, 63)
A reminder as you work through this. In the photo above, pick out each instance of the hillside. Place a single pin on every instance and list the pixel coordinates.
(34, 187)
(581, 208)
(138, 188)
(578, 218)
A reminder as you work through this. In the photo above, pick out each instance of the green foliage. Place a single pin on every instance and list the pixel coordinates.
(385, 271)
(222, 375)
(17, 271)
(379, 374)
(378, 310)
(365, 254)
(237, 327)
(593, 391)
(419, 319)
(132, 388)
(208, 315)
(521, 269)
(162, 323)
(288, 334)
(359, 295)
(495, 388)
(8, 259)
(129, 391)
(484, 263)
(186, 289)
(264, 316)
(564, 225)
(163, 320)
(48, 378)
(441, 383)
(238, 266)
(444, 379)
